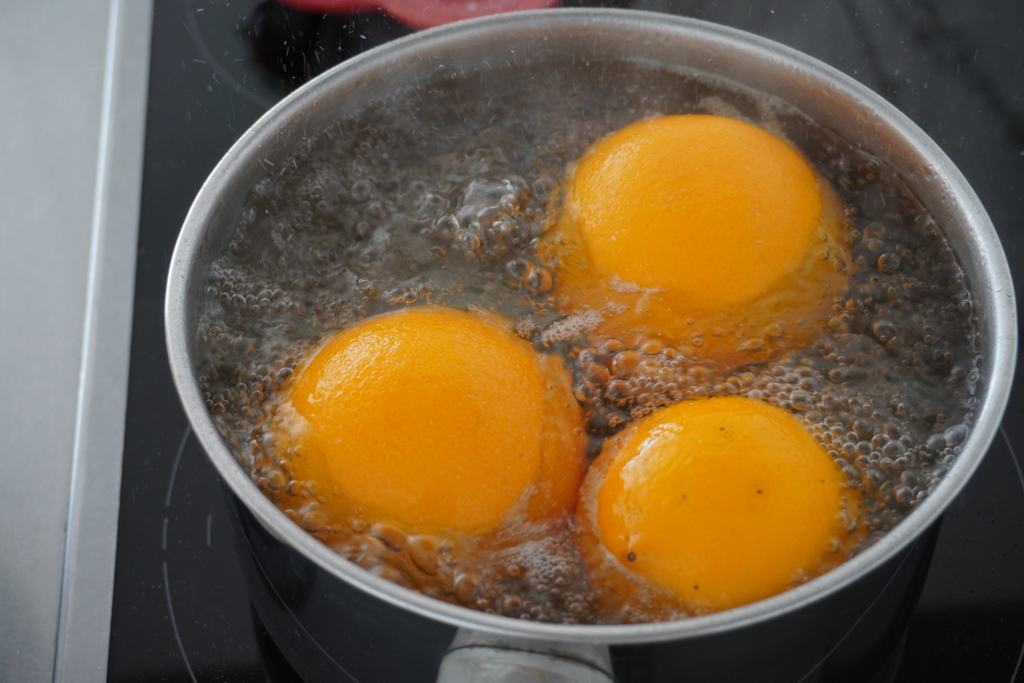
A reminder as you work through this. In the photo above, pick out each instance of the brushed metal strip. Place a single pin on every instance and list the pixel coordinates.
(84, 620)
(51, 83)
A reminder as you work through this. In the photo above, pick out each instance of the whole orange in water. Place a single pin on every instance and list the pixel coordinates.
(704, 230)
(720, 501)
(435, 420)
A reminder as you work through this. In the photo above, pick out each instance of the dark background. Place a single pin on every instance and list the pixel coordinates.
(180, 612)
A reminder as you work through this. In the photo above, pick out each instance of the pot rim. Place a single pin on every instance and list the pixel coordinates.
(1001, 308)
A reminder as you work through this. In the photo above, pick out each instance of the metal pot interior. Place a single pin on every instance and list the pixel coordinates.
(831, 99)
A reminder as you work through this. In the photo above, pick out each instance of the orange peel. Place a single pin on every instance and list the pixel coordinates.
(435, 420)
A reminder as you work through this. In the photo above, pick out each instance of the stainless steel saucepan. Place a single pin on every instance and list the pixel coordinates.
(336, 622)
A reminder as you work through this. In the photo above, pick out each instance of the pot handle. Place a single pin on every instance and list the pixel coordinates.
(475, 656)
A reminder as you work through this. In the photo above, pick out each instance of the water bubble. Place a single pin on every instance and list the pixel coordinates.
(653, 347)
(955, 435)
(911, 478)
(893, 449)
(392, 536)
(625, 363)
(903, 495)
(361, 190)
(464, 587)
(888, 262)
(801, 400)
(537, 278)
(596, 373)
(424, 552)
(885, 331)
(543, 187)
(874, 476)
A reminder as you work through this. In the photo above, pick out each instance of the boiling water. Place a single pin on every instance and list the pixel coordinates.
(440, 195)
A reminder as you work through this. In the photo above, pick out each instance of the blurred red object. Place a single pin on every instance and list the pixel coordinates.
(420, 13)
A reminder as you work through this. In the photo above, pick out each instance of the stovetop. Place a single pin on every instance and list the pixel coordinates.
(180, 610)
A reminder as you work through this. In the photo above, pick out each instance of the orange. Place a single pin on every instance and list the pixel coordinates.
(701, 229)
(435, 419)
(721, 501)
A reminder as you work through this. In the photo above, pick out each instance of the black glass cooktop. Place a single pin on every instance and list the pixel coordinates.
(181, 612)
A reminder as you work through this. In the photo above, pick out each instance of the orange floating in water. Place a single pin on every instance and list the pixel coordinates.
(704, 230)
(435, 420)
(721, 501)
